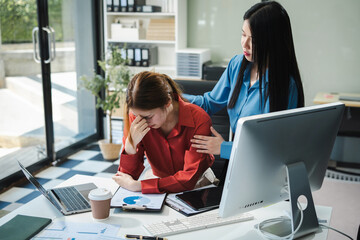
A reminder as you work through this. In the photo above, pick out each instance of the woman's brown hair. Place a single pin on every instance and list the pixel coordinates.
(149, 90)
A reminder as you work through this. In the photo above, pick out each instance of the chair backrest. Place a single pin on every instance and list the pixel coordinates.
(220, 120)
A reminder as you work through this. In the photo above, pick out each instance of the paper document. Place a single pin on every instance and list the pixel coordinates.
(79, 231)
(137, 201)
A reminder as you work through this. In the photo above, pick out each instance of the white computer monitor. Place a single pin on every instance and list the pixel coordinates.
(277, 153)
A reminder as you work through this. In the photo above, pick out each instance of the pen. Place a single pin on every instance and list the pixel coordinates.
(144, 237)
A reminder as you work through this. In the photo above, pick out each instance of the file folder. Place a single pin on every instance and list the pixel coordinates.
(131, 5)
(109, 5)
(151, 8)
(123, 5)
(145, 57)
(136, 3)
(123, 53)
(130, 56)
(149, 55)
(137, 57)
(116, 5)
(23, 227)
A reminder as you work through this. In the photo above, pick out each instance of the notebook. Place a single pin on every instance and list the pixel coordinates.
(29, 226)
(68, 200)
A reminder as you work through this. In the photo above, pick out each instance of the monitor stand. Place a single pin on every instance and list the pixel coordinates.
(298, 186)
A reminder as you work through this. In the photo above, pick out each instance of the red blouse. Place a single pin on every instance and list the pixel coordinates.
(172, 158)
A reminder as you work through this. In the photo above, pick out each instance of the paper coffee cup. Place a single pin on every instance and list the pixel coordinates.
(100, 203)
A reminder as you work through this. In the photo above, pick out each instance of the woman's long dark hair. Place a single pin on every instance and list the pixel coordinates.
(273, 49)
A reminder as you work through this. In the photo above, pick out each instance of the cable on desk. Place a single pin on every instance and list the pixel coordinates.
(322, 225)
(273, 237)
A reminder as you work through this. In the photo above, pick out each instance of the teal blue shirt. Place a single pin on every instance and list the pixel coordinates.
(248, 102)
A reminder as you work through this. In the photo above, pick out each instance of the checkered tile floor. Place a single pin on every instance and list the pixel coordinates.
(87, 162)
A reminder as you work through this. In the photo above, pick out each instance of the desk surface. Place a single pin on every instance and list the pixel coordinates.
(323, 97)
(131, 222)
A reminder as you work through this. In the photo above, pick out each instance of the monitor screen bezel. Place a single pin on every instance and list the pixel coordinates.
(248, 177)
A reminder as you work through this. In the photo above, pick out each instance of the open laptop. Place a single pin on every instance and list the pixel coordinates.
(68, 200)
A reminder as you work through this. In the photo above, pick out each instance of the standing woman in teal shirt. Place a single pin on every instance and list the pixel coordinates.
(265, 78)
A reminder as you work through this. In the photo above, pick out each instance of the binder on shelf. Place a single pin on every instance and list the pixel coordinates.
(145, 57)
(139, 3)
(123, 5)
(130, 56)
(149, 8)
(137, 57)
(109, 5)
(133, 3)
(116, 5)
(149, 56)
(123, 53)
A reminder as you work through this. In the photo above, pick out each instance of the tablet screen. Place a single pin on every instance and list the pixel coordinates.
(202, 199)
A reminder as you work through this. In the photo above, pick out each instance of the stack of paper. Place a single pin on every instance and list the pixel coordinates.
(161, 29)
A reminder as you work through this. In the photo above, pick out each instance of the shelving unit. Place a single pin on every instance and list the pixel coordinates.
(166, 48)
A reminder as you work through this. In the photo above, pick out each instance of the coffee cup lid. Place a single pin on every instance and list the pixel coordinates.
(99, 194)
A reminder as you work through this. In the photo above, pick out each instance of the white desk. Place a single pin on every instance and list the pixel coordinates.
(131, 222)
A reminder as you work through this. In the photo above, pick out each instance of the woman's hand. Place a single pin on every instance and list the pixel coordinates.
(208, 144)
(138, 129)
(126, 181)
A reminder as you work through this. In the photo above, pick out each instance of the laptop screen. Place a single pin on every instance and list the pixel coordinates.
(33, 180)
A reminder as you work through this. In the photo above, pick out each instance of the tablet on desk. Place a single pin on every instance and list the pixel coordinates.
(202, 199)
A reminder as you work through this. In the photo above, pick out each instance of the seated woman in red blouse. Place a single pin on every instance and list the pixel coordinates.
(161, 127)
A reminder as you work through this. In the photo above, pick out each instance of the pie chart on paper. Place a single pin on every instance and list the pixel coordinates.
(136, 200)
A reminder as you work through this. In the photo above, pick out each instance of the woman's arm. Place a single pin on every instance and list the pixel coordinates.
(132, 156)
(195, 165)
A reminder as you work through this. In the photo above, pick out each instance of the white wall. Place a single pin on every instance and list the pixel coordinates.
(326, 36)
(327, 42)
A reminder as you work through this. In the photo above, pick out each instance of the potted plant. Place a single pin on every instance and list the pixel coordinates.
(117, 77)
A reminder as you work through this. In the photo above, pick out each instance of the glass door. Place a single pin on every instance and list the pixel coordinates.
(22, 121)
(73, 108)
(46, 45)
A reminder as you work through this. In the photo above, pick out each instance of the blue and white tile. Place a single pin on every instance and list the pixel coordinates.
(104, 175)
(72, 173)
(69, 163)
(92, 166)
(12, 206)
(29, 185)
(117, 162)
(112, 169)
(52, 172)
(53, 183)
(29, 197)
(83, 155)
(4, 204)
(14, 194)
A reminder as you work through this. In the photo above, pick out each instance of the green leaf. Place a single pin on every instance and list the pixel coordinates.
(117, 78)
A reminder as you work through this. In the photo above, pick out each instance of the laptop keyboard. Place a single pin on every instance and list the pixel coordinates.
(71, 199)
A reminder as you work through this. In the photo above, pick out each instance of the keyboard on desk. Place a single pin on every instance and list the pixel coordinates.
(197, 222)
(71, 198)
